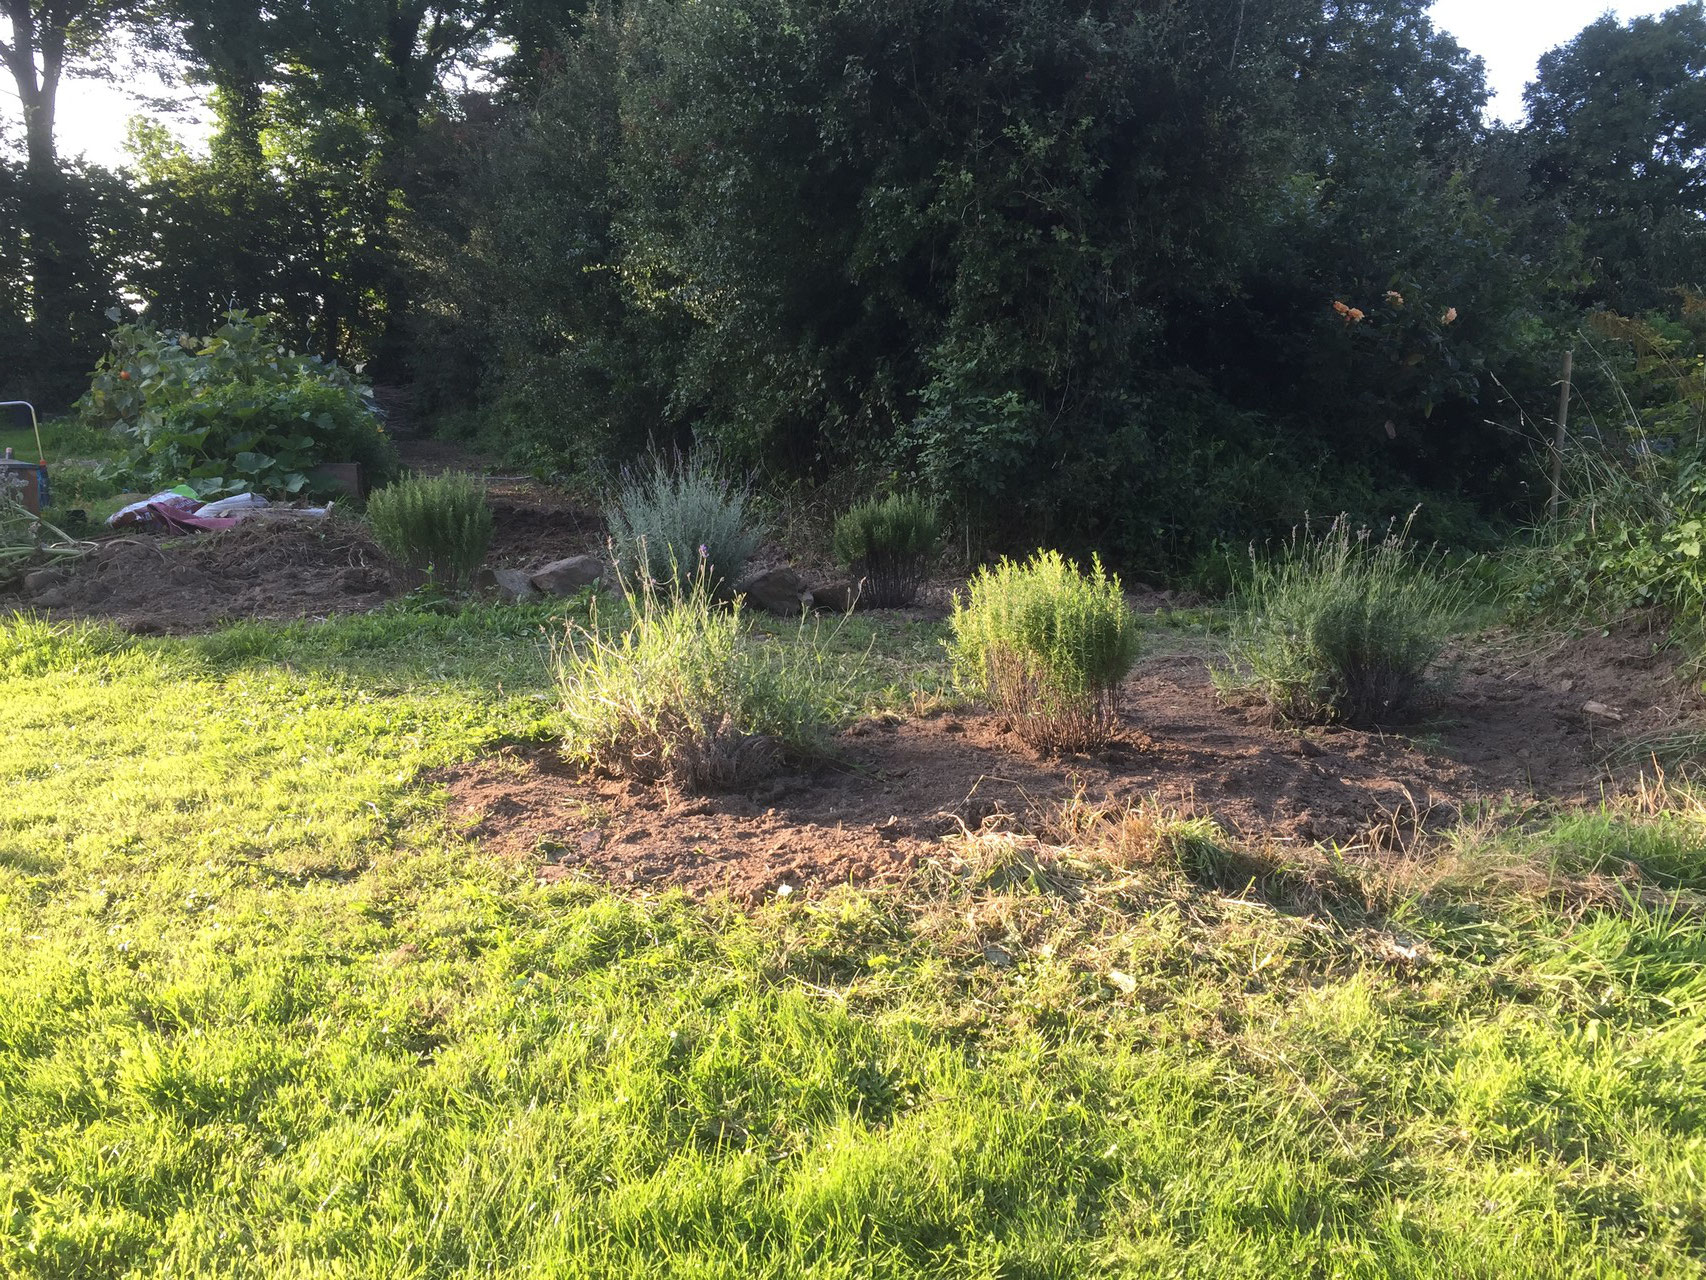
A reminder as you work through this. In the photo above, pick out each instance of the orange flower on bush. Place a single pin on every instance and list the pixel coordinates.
(1354, 315)
(1341, 308)
(1449, 316)
(1394, 297)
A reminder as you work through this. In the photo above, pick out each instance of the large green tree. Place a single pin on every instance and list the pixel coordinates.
(1058, 261)
(1617, 138)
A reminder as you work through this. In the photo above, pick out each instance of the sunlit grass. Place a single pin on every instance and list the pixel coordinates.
(263, 1012)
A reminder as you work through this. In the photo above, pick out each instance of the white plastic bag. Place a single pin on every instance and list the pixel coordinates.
(238, 504)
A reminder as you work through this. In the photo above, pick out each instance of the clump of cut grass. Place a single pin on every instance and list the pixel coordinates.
(1345, 627)
(437, 526)
(677, 515)
(1047, 644)
(890, 543)
(681, 693)
(1078, 847)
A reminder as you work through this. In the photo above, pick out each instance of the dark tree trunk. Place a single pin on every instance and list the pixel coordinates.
(40, 34)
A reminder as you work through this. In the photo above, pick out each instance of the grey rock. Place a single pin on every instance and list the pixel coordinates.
(781, 591)
(565, 577)
(40, 580)
(513, 585)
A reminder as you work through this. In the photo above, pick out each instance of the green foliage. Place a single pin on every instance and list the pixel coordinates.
(891, 543)
(1344, 626)
(261, 437)
(680, 516)
(439, 526)
(676, 691)
(1634, 537)
(1047, 644)
(1631, 533)
(67, 237)
(974, 302)
(232, 411)
(1615, 138)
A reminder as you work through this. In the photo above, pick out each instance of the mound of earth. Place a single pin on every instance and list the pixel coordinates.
(532, 527)
(1546, 712)
(284, 569)
(274, 569)
(895, 789)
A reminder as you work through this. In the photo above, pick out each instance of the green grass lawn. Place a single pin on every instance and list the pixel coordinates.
(263, 1012)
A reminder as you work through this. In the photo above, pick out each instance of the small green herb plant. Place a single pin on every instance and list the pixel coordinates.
(1048, 644)
(890, 543)
(1344, 626)
(439, 526)
(677, 689)
(680, 516)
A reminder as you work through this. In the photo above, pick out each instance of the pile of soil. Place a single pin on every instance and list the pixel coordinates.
(532, 527)
(895, 789)
(283, 569)
(1546, 713)
(276, 569)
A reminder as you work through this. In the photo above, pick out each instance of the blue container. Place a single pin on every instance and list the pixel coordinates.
(27, 480)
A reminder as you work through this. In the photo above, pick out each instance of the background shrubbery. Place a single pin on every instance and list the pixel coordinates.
(1192, 281)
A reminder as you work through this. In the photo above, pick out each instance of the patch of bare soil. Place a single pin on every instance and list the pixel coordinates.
(896, 789)
(283, 569)
(1544, 712)
(270, 569)
(431, 457)
(533, 526)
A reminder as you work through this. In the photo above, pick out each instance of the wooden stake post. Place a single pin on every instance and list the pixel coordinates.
(1558, 438)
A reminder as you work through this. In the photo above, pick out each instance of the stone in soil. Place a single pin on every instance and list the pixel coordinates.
(513, 585)
(838, 597)
(781, 591)
(567, 576)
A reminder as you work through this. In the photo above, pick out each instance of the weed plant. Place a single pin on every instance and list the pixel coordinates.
(890, 543)
(1632, 536)
(680, 514)
(437, 526)
(1345, 626)
(1047, 644)
(678, 692)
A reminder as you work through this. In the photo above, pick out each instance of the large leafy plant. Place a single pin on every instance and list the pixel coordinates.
(235, 410)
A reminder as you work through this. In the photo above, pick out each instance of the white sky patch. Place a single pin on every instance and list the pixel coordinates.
(1510, 34)
(94, 115)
